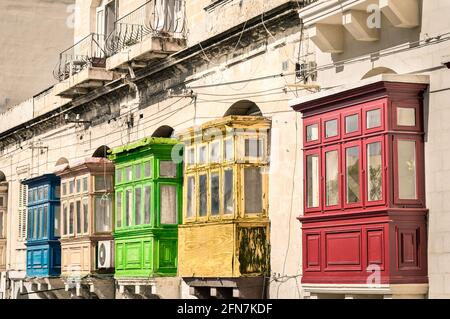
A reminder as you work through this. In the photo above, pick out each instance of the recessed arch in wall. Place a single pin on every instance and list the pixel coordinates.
(102, 151)
(62, 161)
(163, 131)
(244, 107)
(2, 177)
(378, 71)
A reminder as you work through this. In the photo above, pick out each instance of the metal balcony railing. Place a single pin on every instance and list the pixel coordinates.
(162, 18)
(87, 52)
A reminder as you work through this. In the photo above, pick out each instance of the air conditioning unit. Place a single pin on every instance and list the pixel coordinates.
(105, 254)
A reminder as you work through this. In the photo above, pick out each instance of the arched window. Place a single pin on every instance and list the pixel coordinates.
(244, 107)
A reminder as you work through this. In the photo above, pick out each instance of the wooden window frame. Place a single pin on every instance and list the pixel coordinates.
(220, 213)
(407, 105)
(326, 150)
(346, 146)
(331, 117)
(305, 181)
(420, 171)
(351, 112)
(205, 217)
(371, 106)
(383, 200)
(309, 122)
(192, 218)
(227, 216)
(264, 189)
(158, 186)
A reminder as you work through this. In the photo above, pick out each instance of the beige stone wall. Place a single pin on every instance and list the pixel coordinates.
(32, 33)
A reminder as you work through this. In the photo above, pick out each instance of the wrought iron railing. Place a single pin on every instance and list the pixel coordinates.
(89, 51)
(162, 18)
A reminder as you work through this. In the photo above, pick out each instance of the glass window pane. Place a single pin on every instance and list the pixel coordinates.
(214, 149)
(331, 128)
(78, 185)
(85, 184)
(202, 154)
(71, 187)
(119, 209)
(39, 223)
(203, 194)
(352, 160)
(78, 216)
(128, 207)
(253, 190)
(41, 193)
(332, 178)
(167, 169)
(147, 207)
(312, 180)
(58, 192)
(64, 189)
(228, 149)
(128, 173)
(373, 118)
(190, 156)
(190, 196)
(119, 175)
(35, 194)
(102, 182)
(64, 216)
(374, 172)
(138, 206)
(1, 225)
(254, 147)
(137, 171)
(57, 225)
(36, 223)
(102, 213)
(85, 216)
(71, 219)
(407, 169)
(312, 132)
(228, 201)
(30, 196)
(45, 222)
(45, 195)
(147, 170)
(215, 196)
(351, 123)
(406, 116)
(168, 202)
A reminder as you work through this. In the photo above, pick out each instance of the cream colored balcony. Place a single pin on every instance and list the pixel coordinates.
(328, 19)
(150, 32)
(81, 68)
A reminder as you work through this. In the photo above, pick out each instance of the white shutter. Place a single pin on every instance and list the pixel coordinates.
(22, 222)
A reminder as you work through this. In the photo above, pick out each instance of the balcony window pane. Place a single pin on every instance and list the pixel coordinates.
(78, 185)
(253, 190)
(168, 202)
(214, 149)
(374, 172)
(58, 192)
(41, 193)
(30, 196)
(71, 187)
(228, 150)
(45, 222)
(215, 197)
(85, 184)
(147, 207)
(78, 216)
(71, 220)
(1, 225)
(45, 195)
(203, 190)
(102, 213)
(331, 128)
(406, 116)
(128, 206)
(128, 174)
(351, 123)
(35, 194)
(254, 147)
(138, 206)
(332, 178)
(119, 175)
(202, 154)
(312, 180)
(190, 196)
(190, 156)
(373, 118)
(64, 216)
(167, 169)
(147, 170)
(137, 171)
(102, 182)
(312, 132)
(57, 224)
(352, 160)
(85, 216)
(37, 224)
(407, 169)
(228, 201)
(119, 209)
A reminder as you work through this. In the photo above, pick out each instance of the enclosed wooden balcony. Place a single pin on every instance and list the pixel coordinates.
(81, 67)
(152, 31)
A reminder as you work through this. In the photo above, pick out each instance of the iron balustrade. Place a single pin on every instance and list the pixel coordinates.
(161, 18)
(87, 52)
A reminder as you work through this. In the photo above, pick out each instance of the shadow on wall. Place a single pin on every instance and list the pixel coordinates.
(101, 152)
(244, 107)
(163, 131)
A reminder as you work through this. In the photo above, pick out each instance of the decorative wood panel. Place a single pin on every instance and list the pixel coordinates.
(343, 251)
(312, 253)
